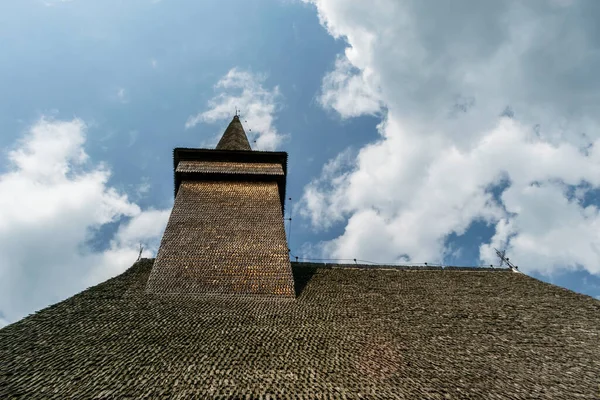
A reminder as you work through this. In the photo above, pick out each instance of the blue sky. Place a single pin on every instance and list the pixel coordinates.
(415, 133)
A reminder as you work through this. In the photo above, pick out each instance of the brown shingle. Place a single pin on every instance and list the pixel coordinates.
(224, 237)
(234, 137)
(351, 333)
(181, 155)
(229, 167)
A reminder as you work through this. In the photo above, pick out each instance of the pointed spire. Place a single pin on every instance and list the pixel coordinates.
(234, 137)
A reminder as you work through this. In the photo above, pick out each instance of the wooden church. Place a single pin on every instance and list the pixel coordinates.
(222, 313)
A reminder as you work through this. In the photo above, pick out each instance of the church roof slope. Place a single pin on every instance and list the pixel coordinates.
(350, 333)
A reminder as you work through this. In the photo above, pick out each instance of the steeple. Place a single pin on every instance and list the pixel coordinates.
(225, 234)
(234, 137)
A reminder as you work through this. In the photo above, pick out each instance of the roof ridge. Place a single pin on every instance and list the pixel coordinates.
(403, 267)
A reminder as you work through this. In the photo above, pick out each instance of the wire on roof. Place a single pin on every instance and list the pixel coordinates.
(246, 122)
(403, 264)
(289, 232)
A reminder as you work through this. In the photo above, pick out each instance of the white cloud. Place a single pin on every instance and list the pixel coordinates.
(122, 95)
(143, 188)
(52, 200)
(245, 91)
(445, 75)
(320, 203)
(346, 91)
(548, 230)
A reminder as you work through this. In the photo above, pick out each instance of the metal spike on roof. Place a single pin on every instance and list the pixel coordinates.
(234, 137)
(504, 259)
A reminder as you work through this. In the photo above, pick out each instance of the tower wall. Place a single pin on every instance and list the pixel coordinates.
(224, 237)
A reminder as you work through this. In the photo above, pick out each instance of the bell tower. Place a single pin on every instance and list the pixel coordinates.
(225, 234)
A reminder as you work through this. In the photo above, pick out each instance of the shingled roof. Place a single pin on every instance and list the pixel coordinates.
(234, 137)
(350, 333)
(224, 237)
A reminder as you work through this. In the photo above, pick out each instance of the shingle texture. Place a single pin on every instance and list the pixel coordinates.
(234, 137)
(350, 333)
(229, 167)
(224, 237)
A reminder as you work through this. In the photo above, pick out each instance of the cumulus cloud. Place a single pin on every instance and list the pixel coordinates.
(52, 202)
(490, 115)
(346, 90)
(245, 91)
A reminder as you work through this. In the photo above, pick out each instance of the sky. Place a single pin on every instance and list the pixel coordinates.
(417, 131)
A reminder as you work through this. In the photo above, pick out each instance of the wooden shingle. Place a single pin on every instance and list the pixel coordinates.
(376, 333)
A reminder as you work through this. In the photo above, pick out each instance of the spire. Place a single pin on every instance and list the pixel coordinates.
(234, 137)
